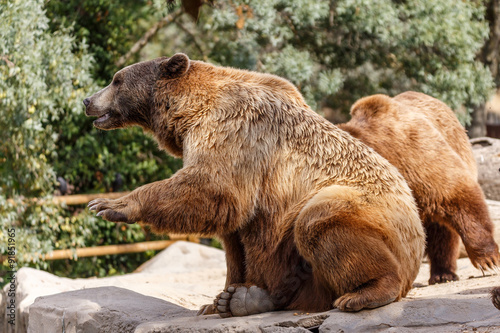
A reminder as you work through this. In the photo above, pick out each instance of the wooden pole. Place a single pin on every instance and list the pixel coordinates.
(78, 199)
(75, 199)
(109, 249)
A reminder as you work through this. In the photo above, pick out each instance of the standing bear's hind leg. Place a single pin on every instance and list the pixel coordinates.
(443, 245)
(350, 250)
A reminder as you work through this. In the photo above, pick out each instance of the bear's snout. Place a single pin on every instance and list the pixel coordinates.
(86, 102)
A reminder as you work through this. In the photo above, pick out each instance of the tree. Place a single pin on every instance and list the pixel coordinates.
(87, 158)
(43, 76)
(339, 51)
(490, 56)
(109, 28)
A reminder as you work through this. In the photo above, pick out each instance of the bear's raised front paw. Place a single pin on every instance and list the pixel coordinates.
(110, 210)
(239, 301)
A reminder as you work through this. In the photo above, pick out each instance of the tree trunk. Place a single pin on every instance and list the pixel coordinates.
(490, 53)
(490, 56)
(477, 127)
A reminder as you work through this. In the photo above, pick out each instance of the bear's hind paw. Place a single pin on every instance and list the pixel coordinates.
(239, 301)
(443, 277)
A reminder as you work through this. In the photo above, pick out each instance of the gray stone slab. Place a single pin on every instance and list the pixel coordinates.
(282, 321)
(104, 309)
(456, 313)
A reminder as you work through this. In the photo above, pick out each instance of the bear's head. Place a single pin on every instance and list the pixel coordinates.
(129, 99)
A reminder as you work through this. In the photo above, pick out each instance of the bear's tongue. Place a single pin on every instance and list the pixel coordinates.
(102, 118)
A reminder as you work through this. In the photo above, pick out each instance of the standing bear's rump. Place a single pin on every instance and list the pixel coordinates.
(421, 136)
(309, 216)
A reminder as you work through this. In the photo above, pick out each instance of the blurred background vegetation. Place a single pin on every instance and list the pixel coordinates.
(55, 53)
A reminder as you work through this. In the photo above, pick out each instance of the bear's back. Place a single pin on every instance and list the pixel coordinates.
(421, 137)
(444, 120)
(267, 122)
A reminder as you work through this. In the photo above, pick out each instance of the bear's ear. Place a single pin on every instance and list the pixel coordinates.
(175, 66)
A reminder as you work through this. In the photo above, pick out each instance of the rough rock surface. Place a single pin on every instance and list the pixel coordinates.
(103, 309)
(186, 274)
(452, 307)
(487, 154)
(164, 295)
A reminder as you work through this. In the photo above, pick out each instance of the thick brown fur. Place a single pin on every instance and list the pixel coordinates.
(422, 137)
(305, 211)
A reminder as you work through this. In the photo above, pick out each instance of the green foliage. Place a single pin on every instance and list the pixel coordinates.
(339, 51)
(88, 158)
(44, 76)
(41, 77)
(334, 51)
(42, 227)
(109, 28)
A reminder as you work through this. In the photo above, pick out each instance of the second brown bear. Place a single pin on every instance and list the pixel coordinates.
(421, 136)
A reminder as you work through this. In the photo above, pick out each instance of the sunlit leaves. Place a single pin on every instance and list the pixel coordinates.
(41, 76)
(339, 51)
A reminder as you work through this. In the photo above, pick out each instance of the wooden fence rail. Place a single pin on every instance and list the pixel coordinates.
(114, 249)
(78, 199)
(108, 249)
(75, 199)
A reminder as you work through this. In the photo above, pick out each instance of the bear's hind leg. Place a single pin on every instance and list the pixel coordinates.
(369, 295)
(442, 249)
(349, 254)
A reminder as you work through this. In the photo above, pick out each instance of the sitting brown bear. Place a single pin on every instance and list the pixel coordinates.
(422, 137)
(309, 216)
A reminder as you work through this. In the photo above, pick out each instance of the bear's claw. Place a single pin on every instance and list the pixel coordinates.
(486, 261)
(353, 302)
(111, 210)
(443, 277)
(206, 309)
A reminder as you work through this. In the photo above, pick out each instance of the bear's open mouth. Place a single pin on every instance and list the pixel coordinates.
(102, 118)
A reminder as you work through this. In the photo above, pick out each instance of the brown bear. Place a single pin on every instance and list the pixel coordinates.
(310, 217)
(422, 137)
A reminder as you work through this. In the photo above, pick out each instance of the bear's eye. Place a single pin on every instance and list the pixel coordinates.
(117, 82)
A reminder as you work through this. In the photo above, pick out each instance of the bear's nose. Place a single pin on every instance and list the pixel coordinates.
(86, 102)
